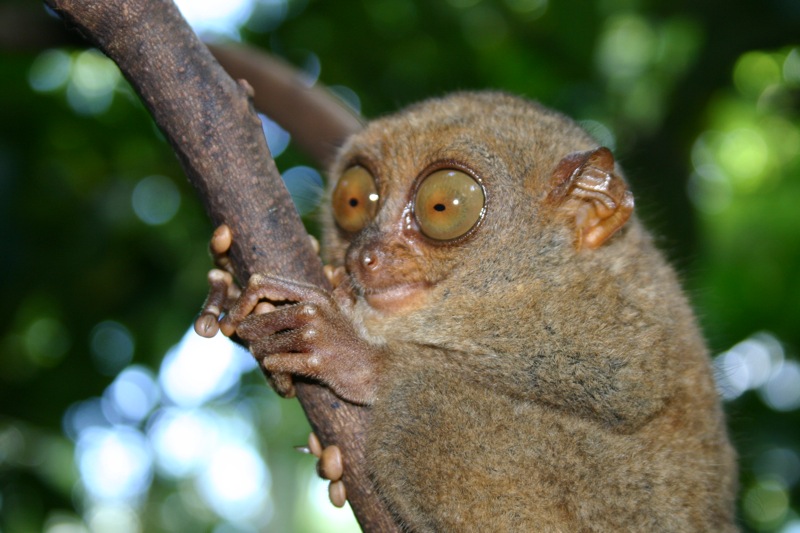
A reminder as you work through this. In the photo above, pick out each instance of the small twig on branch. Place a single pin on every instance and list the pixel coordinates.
(210, 123)
(317, 122)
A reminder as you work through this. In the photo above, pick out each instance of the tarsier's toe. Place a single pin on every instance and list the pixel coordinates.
(330, 467)
(221, 240)
(314, 445)
(283, 385)
(335, 275)
(314, 243)
(206, 325)
(220, 288)
(337, 493)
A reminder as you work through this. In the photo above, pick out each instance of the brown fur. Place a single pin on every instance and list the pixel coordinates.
(536, 387)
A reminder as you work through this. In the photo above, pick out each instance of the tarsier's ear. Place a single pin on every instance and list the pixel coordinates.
(586, 186)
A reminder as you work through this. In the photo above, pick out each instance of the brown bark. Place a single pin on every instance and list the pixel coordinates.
(210, 123)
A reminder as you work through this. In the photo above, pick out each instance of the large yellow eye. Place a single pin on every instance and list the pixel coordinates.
(355, 199)
(448, 204)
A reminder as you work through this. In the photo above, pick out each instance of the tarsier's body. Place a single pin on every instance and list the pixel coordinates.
(532, 367)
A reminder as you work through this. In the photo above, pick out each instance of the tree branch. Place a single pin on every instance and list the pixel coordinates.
(210, 123)
(317, 121)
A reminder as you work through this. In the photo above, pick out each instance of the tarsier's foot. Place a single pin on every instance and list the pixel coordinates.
(331, 467)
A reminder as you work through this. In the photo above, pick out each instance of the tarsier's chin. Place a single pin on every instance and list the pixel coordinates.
(529, 357)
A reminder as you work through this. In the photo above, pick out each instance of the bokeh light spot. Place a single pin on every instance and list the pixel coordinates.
(197, 369)
(791, 67)
(113, 517)
(754, 72)
(780, 463)
(793, 526)
(709, 190)
(115, 464)
(182, 439)
(626, 47)
(50, 70)
(783, 137)
(600, 132)
(782, 391)
(133, 394)
(82, 416)
(749, 364)
(235, 482)
(267, 15)
(46, 341)
(215, 17)
(112, 347)
(277, 137)
(339, 520)
(743, 155)
(531, 8)
(91, 86)
(305, 186)
(62, 522)
(766, 503)
(348, 96)
(156, 200)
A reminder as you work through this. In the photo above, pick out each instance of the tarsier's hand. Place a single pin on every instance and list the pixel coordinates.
(292, 328)
(330, 466)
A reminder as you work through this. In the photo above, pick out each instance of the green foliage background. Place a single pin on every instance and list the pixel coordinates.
(699, 100)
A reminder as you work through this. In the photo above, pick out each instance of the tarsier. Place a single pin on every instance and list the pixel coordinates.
(530, 360)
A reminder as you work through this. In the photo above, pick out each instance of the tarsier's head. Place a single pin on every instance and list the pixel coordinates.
(450, 187)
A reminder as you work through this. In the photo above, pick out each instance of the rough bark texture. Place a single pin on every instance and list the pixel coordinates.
(209, 121)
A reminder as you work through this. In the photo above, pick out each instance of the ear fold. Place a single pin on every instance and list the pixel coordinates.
(587, 188)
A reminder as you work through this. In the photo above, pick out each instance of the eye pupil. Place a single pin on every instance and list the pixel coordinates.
(439, 207)
(353, 202)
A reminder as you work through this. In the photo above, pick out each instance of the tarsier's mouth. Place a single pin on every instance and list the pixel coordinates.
(403, 296)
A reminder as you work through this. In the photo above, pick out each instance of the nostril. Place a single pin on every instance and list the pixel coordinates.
(369, 260)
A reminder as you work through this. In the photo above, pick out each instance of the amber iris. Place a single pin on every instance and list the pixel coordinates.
(448, 204)
(355, 199)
